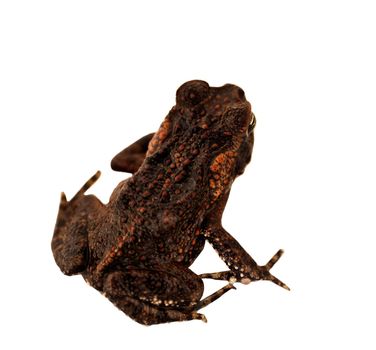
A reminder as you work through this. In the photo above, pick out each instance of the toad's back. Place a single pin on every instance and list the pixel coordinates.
(165, 201)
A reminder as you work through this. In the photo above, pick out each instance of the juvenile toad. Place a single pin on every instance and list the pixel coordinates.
(137, 249)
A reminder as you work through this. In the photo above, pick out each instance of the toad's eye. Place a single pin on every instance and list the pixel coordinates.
(192, 93)
(237, 118)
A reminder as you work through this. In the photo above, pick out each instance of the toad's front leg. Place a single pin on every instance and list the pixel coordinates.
(242, 266)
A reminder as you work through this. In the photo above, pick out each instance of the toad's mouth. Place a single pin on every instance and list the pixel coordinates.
(252, 124)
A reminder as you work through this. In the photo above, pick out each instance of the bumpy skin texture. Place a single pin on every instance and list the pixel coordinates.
(137, 249)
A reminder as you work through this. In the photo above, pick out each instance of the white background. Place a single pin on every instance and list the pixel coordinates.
(80, 80)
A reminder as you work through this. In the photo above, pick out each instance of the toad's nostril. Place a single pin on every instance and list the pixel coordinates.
(241, 94)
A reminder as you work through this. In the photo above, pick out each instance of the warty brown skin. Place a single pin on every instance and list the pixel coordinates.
(137, 249)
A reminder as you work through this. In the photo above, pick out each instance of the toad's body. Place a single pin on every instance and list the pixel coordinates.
(137, 249)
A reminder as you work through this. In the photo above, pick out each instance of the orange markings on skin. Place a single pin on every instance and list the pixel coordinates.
(159, 137)
(221, 167)
(115, 250)
(223, 162)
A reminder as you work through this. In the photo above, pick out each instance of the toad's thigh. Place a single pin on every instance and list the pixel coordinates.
(167, 285)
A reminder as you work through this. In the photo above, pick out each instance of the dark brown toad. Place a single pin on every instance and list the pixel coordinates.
(137, 249)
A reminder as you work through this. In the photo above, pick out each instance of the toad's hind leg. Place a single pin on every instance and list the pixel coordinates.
(131, 158)
(158, 295)
(69, 242)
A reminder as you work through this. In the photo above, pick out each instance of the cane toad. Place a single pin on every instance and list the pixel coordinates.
(138, 248)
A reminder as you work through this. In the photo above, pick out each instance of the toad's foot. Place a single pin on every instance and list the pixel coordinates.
(213, 297)
(84, 188)
(257, 273)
